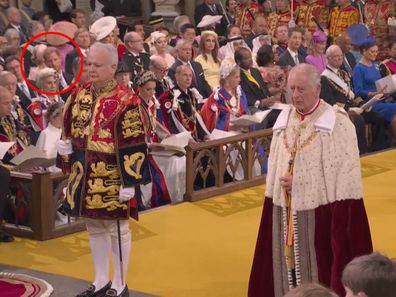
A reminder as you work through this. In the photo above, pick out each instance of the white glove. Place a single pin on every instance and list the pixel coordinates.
(291, 24)
(357, 110)
(64, 147)
(126, 194)
(392, 22)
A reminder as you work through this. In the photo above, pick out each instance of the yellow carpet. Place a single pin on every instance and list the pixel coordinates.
(205, 248)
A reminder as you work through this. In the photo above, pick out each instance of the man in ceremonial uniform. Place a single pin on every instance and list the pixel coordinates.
(5, 136)
(180, 106)
(105, 152)
(377, 13)
(310, 10)
(314, 220)
(341, 17)
(336, 88)
(280, 17)
(159, 67)
(27, 97)
(388, 67)
(245, 14)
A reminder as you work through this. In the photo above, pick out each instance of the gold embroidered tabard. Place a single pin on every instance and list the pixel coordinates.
(103, 186)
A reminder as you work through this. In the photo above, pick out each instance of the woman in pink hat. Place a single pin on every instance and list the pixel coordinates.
(317, 56)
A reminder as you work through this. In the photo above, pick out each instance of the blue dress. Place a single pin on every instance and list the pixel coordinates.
(363, 78)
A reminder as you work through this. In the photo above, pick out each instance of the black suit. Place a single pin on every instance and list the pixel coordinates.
(51, 7)
(287, 60)
(22, 32)
(332, 94)
(199, 81)
(255, 93)
(252, 91)
(203, 9)
(70, 61)
(127, 8)
(136, 64)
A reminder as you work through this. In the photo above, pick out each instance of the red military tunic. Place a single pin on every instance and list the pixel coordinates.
(109, 150)
(276, 19)
(376, 14)
(244, 17)
(309, 9)
(341, 18)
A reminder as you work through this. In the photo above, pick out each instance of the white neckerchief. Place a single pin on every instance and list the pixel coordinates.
(336, 79)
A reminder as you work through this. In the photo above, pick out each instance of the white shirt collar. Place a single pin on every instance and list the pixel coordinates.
(292, 53)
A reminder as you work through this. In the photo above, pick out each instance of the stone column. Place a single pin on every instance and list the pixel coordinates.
(168, 9)
(146, 9)
(189, 8)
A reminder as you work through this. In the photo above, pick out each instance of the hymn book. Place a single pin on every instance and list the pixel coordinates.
(172, 145)
(31, 157)
(250, 119)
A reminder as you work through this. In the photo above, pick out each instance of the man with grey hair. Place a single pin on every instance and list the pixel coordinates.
(337, 89)
(134, 56)
(103, 149)
(159, 67)
(13, 37)
(14, 22)
(179, 106)
(314, 220)
(184, 52)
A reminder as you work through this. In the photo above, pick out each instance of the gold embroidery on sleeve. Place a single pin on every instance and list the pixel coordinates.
(74, 181)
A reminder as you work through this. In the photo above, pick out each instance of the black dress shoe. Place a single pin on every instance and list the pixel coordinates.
(90, 292)
(113, 293)
(5, 237)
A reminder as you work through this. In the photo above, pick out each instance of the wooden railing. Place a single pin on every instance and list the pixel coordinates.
(212, 166)
(43, 197)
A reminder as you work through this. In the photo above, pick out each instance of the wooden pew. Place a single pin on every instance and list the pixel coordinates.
(216, 154)
(42, 207)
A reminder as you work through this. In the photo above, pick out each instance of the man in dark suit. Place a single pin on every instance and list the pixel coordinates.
(184, 57)
(336, 89)
(25, 93)
(292, 57)
(82, 38)
(14, 22)
(252, 83)
(211, 7)
(345, 43)
(134, 56)
(51, 7)
(121, 8)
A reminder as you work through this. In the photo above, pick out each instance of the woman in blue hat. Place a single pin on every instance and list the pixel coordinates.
(364, 76)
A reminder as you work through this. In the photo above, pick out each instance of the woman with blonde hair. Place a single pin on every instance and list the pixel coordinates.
(208, 57)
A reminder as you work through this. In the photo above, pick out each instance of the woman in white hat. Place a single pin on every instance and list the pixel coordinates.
(103, 29)
(208, 57)
(159, 46)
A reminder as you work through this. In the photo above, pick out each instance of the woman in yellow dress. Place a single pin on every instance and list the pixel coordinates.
(208, 57)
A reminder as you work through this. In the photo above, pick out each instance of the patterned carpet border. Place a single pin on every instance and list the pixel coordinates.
(25, 285)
